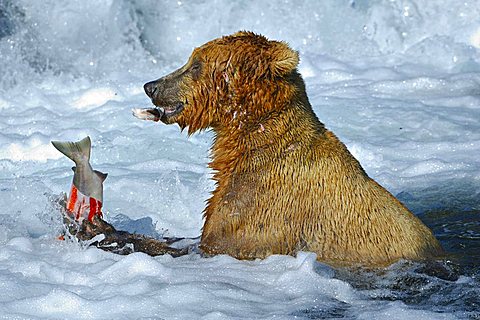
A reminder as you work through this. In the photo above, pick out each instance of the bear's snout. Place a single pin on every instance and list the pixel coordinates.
(164, 93)
(150, 88)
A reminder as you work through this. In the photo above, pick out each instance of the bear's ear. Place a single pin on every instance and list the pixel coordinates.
(243, 33)
(284, 59)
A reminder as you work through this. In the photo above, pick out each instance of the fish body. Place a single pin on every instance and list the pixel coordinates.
(86, 194)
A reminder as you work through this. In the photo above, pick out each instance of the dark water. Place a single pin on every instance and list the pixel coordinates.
(453, 214)
(448, 286)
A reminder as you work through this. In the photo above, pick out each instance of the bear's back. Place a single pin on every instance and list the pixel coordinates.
(305, 191)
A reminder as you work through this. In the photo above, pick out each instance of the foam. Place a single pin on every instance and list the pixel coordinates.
(33, 150)
(94, 98)
(475, 38)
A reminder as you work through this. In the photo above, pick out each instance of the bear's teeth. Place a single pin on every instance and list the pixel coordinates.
(169, 111)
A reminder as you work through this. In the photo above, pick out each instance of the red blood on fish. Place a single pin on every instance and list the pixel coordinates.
(95, 208)
(73, 199)
(82, 207)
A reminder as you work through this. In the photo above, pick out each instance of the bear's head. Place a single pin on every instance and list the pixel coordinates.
(227, 83)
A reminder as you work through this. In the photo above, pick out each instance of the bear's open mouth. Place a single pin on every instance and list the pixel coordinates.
(171, 111)
(167, 112)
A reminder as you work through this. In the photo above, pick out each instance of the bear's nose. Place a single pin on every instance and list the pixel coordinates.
(150, 88)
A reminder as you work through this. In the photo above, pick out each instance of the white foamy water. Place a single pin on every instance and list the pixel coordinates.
(397, 81)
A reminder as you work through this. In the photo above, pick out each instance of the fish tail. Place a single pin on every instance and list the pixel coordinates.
(77, 151)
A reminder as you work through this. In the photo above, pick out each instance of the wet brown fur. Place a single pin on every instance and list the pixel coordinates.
(284, 183)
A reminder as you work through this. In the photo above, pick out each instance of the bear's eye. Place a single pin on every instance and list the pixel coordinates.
(195, 69)
(195, 66)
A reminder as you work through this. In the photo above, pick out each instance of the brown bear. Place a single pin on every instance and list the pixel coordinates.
(284, 183)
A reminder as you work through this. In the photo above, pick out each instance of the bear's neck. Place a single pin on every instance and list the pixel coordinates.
(250, 146)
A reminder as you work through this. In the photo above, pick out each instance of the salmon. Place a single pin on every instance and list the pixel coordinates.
(86, 194)
(83, 218)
